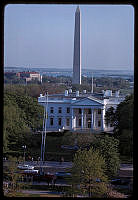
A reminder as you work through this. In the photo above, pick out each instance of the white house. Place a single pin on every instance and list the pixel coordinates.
(78, 111)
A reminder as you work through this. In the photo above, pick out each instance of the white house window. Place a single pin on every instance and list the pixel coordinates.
(79, 110)
(59, 110)
(80, 122)
(99, 111)
(51, 109)
(51, 121)
(59, 121)
(68, 109)
(89, 111)
(99, 123)
(67, 122)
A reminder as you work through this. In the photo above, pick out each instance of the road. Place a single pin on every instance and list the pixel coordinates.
(64, 165)
(54, 166)
(128, 167)
(50, 164)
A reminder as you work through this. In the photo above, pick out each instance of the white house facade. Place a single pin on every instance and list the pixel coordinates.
(77, 112)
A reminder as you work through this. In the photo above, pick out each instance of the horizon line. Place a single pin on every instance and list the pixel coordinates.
(69, 68)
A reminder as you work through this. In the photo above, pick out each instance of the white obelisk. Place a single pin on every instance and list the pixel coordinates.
(77, 49)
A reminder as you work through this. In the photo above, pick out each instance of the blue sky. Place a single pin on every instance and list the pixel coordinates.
(38, 35)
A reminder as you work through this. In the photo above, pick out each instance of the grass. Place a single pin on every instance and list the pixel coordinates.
(54, 142)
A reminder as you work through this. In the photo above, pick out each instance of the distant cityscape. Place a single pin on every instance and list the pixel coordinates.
(126, 74)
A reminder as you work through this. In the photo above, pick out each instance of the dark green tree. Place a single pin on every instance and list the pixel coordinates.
(22, 116)
(110, 116)
(108, 147)
(10, 174)
(126, 144)
(124, 115)
(122, 120)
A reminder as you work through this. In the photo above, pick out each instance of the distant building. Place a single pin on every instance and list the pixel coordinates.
(10, 74)
(77, 111)
(131, 84)
(29, 76)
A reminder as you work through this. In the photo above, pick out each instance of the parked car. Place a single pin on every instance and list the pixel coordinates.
(119, 182)
(31, 171)
(85, 147)
(24, 167)
(61, 175)
(68, 147)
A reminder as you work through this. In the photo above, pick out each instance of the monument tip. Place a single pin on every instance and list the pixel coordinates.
(78, 9)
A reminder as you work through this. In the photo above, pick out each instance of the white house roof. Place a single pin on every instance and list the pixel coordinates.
(88, 101)
(95, 99)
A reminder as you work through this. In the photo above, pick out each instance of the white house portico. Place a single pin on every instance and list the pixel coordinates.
(87, 114)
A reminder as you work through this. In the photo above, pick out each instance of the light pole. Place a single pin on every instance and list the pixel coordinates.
(44, 130)
(24, 148)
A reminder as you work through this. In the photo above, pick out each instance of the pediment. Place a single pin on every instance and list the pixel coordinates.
(88, 102)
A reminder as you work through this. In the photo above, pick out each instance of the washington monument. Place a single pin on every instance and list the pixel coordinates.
(77, 49)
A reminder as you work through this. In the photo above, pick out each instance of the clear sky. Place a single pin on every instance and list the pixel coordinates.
(38, 35)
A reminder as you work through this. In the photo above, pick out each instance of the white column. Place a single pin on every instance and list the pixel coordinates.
(102, 120)
(75, 119)
(84, 120)
(92, 121)
(72, 118)
(82, 112)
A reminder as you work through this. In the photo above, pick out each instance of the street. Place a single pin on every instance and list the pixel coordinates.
(126, 167)
(50, 164)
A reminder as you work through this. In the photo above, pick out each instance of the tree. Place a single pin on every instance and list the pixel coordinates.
(10, 175)
(126, 143)
(22, 116)
(122, 120)
(108, 147)
(88, 174)
(110, 116)
(13, 125)
(124, 115)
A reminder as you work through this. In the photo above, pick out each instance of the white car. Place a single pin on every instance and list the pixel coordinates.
(31, 171)
(25, 167)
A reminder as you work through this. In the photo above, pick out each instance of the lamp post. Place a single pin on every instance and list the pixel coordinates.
(44, 130)
(24, 148)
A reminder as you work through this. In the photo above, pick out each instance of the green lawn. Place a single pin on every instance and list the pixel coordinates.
(54, 142)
